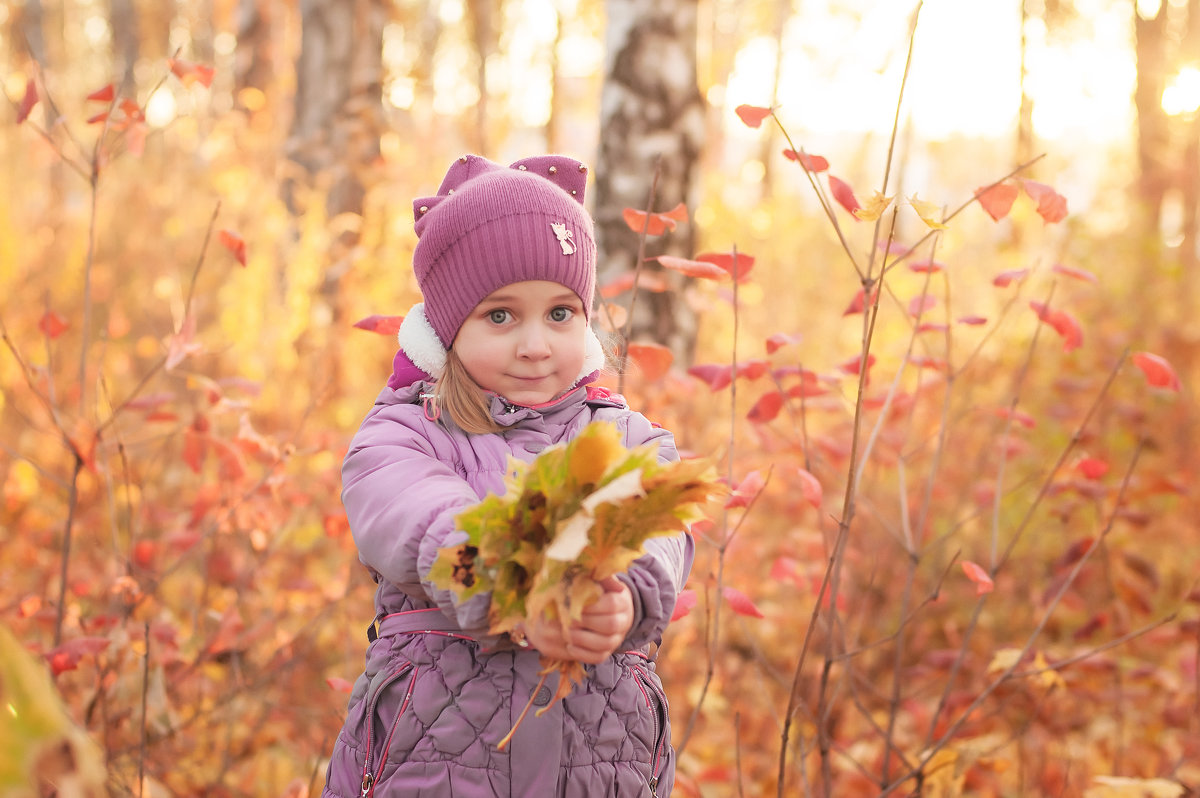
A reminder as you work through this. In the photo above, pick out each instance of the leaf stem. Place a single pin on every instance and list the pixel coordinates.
(532, 694)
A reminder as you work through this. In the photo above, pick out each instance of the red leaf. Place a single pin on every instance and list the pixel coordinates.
(766, 408)
(683, 604)
(810, 488)
(67, 656)
(974, 321)
(926, 266)
(1063, 323)
(1052, 206)
(28, 101)
(339, 684)
(1159, 373)
(645, 282)
(741, 604)
(932, 326)
(983, 582)
(189, 73)
(104, 95)
(1003, 279)
(652, 359)
(859, 303)
(926, 362)
(750, 486)
(812, 163)
(997, 200)
(752, 115)
(843, 194)
(726, 261)
(1024, 419)
(384, 325)
(1076, 272)
(919, 304)
(52, 325)
(786, 569)
(336, 524)
(194, 448)
(806, 390)
(692, 268)
(777, 341)
(655, 224)
(715, 375)
(234, 243)
(854, 364)
(182, 344)
(753, 369)
(1092, 468)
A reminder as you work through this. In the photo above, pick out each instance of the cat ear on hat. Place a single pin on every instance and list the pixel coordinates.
(462, 170)
(567, 173)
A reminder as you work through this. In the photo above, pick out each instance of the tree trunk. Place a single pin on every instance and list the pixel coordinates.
(1151, 47)
(651, 114)
(483, 36)
(254, 60)
(29, 26)
(335, 130)
(123, 17)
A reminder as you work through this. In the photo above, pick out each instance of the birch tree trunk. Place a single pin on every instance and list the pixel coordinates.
(123, 17)
(652, 114)
(334, 136)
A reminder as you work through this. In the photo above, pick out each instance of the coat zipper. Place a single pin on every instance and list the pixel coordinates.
(647, 688)
(369, 778)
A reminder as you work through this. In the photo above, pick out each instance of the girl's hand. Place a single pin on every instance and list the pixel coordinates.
(595, 636)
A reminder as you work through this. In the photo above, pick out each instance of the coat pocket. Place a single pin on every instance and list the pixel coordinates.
(388, 698)
(656, 705)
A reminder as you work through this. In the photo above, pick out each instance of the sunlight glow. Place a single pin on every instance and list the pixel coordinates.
(1182, 96)
(96, 30)
(450, 11)
(161, 109)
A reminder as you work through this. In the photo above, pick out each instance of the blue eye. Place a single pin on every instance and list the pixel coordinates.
(561, 313)
(498, 316)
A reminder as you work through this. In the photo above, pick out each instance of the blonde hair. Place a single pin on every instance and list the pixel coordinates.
(457, 395)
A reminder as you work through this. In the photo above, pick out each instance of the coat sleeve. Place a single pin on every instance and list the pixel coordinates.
(655, 578)
(401, 499)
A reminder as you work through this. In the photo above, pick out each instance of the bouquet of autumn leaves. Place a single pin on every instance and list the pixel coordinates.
(576, 515)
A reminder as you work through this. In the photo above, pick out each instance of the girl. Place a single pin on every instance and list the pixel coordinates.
(497, 361)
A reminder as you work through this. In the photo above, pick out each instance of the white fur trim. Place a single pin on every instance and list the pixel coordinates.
(594, 358)
(418, 340)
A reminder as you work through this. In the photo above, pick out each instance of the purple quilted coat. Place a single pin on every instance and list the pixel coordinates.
(438, 693)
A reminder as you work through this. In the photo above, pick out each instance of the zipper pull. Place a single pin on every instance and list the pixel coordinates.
(654, 787)
(431, 410)
(369, 782)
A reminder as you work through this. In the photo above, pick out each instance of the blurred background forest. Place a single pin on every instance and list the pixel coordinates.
(961, 555)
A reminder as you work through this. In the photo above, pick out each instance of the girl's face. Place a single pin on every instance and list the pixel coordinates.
(525, 341)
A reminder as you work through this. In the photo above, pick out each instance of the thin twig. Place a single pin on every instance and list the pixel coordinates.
(637, 273)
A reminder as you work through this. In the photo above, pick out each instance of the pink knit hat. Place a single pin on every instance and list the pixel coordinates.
(490, 226)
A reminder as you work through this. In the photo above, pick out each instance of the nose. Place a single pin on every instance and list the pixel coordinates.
(534, 343)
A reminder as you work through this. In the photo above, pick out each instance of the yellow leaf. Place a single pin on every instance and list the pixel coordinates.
(874, 207)
(1004, 659)
(593, 450)
(1119, 787)
(572, 537)
(928, 212)
(943, 776)
(37, 736)
(1049, 677)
